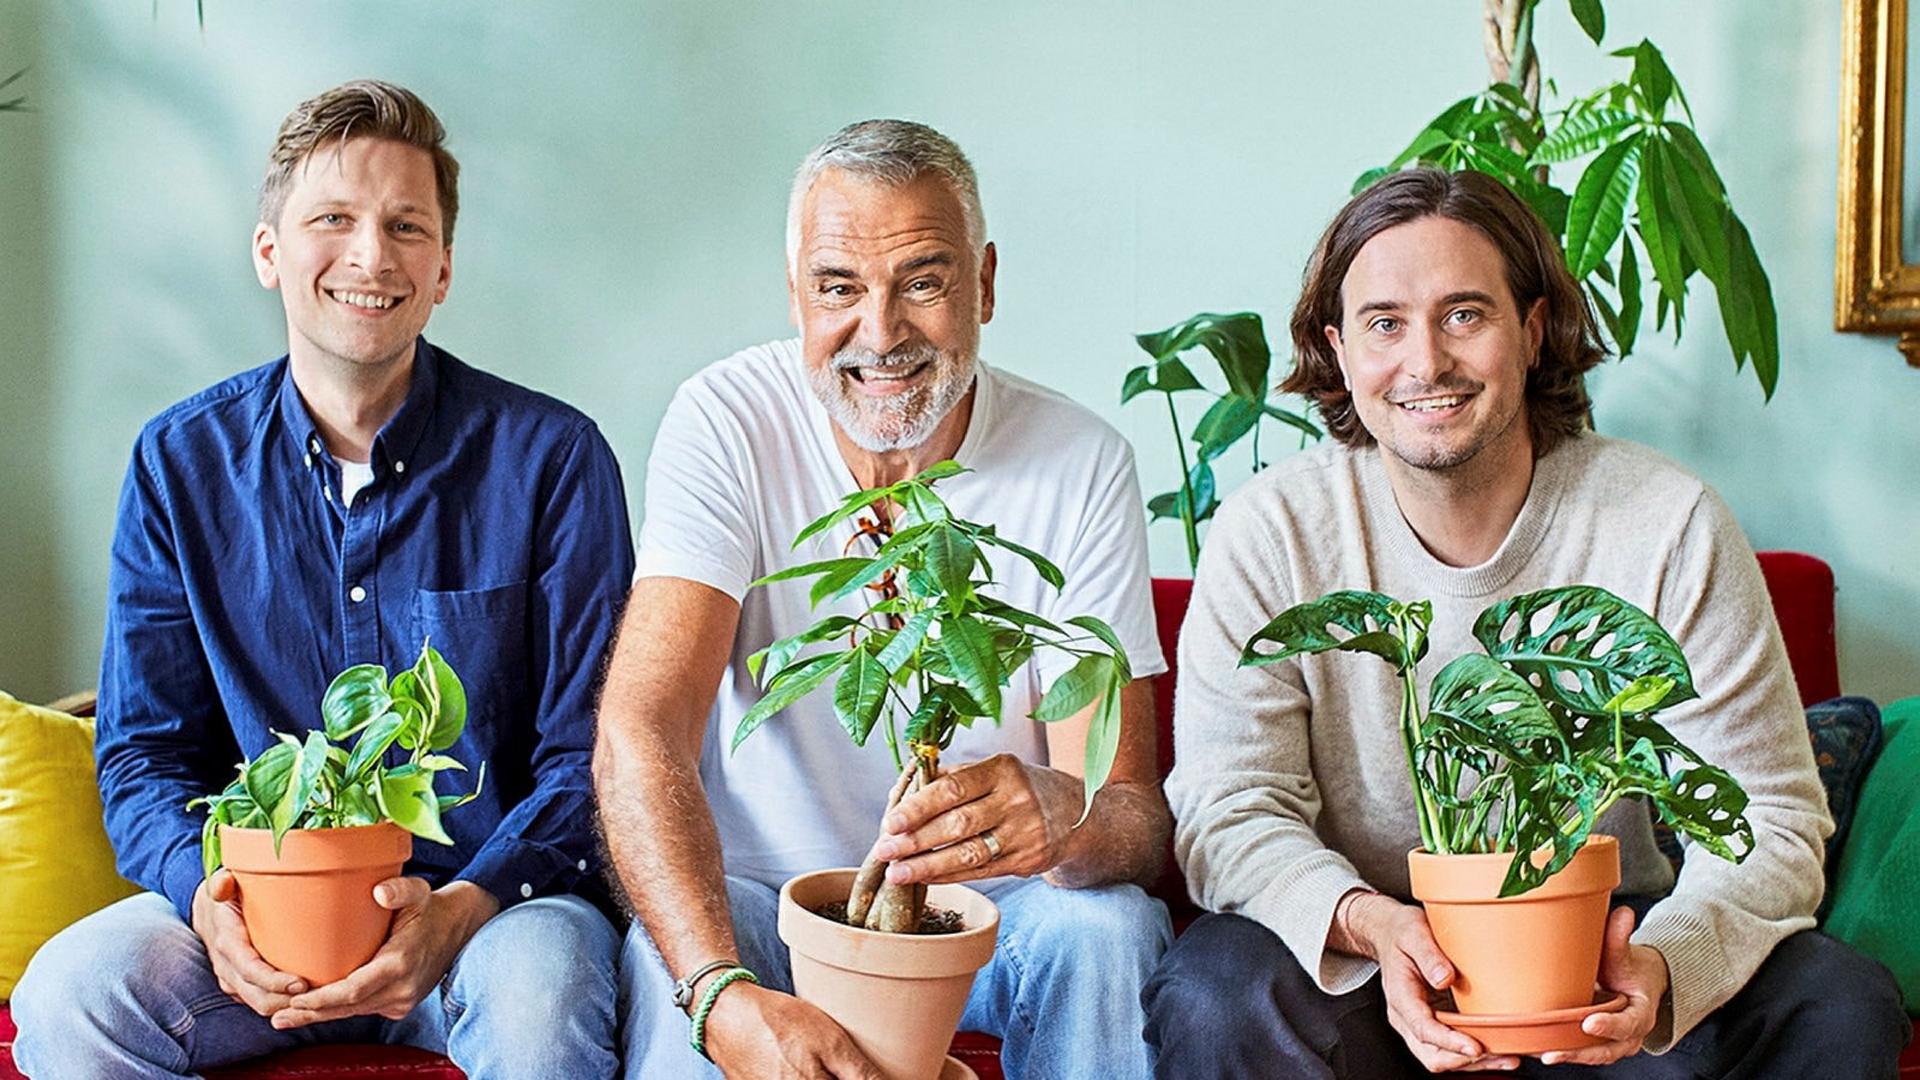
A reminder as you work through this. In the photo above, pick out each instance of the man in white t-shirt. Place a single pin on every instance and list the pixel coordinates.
(890, 280)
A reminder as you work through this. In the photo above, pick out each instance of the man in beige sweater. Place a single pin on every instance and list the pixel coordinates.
(1446, 345)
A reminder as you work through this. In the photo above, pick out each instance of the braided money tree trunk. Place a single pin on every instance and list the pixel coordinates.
(930, 656)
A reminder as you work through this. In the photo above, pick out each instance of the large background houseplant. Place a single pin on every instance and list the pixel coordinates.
(1619, 175)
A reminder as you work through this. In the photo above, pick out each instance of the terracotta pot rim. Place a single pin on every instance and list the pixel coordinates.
(1476, 878)
(967, 933)
(250, 850)
(881, 954)
(337, 830)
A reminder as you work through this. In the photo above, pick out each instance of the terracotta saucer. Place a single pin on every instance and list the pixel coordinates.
(955, 1069)
(1533, 1033)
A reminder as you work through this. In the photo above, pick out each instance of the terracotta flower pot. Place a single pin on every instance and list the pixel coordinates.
(310, 911)
(899, 996)
(1533, 953)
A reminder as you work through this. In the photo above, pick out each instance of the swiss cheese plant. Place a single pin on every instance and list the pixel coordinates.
(1521, 749)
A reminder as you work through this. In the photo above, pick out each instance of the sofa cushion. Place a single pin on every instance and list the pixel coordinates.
(55, 862)
(1873, 901)
(1845, 733)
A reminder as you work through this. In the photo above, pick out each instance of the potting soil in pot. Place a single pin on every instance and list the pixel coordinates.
(936, 921)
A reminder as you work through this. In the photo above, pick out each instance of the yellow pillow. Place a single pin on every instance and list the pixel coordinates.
(55, 863)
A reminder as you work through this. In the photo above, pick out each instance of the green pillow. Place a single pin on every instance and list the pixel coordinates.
(1873, 905)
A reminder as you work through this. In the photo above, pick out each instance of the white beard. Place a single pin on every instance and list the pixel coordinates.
(897, 421)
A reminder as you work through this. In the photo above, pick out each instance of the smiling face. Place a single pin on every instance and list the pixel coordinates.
(889, 297)
(1433, 346)
(357, 253)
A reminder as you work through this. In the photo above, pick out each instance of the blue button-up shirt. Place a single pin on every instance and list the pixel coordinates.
(495, 526)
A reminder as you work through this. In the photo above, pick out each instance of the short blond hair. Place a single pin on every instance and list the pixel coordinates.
(364, 108)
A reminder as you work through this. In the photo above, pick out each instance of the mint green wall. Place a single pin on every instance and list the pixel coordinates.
(624, 181)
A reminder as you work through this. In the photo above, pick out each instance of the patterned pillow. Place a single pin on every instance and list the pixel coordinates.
(1845, 733)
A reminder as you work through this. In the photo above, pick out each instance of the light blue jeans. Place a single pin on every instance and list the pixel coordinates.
(127, 992)
(1062, 990)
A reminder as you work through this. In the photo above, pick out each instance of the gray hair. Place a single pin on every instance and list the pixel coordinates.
(891, 152)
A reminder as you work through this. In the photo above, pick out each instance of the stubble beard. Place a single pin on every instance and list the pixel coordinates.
(1446, 459)
(882, 424)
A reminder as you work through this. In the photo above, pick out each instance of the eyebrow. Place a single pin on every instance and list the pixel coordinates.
(346, 204)
(938, 258)
(827, 270)
(1465, 296)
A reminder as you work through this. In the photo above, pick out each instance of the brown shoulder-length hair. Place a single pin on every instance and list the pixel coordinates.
(364, 108)
(1556, 394)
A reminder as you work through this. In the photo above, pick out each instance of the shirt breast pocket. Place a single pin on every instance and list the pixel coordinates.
(482, 633)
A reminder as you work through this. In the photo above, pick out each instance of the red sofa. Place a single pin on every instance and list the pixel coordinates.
(1802, 590)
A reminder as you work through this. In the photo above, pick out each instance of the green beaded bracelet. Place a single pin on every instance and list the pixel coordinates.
(720, 982)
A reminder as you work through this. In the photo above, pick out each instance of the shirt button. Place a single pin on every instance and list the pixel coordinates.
(356, 594)
(327, 490)
(313, 445)
(582, 864)
(399, 466)
(526, 891)
(307, 459)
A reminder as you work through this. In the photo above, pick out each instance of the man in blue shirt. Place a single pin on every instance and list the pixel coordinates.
(337, 507)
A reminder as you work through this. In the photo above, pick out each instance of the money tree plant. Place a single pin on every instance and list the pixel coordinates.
(312, 783)
(930, 655)
(1522, 748)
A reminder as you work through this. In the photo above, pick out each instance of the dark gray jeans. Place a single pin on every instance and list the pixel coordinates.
(1230, 1001)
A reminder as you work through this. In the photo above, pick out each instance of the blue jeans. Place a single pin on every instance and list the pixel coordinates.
(1062, 990)
(128, 992)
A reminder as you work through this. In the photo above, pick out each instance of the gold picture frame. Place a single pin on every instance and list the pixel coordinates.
(1876, 290)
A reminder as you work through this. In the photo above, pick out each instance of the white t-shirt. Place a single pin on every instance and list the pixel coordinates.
(354, 475)
(745, 458)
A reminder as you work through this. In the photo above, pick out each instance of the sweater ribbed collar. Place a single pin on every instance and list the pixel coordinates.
(1552, 475)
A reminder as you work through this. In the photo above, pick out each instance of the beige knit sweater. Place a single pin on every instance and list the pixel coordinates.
(1290, 786)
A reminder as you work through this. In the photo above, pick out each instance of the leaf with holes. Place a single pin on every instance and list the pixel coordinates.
(1579, 645)
(1169, 376)
(1304, 629)
(1487, 705)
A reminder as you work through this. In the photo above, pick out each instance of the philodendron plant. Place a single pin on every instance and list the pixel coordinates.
(931, 656)
(313, 784)
(1523, 748)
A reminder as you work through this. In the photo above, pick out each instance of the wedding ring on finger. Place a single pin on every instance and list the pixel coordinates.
(993, 844)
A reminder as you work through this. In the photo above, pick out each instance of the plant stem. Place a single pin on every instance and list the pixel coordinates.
(1430, 836)
(1256, 444)
(1186, 488)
